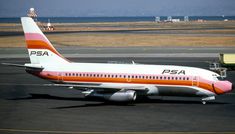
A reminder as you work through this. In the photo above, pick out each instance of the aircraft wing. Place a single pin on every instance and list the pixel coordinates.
(111, 87)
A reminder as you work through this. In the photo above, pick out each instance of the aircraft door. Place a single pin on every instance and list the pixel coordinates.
(195, 81)
(128, 78)
(60, 77)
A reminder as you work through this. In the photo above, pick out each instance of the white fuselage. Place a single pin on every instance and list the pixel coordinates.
(122, 81)
(131, 75)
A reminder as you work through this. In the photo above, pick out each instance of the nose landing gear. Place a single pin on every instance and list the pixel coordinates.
(204, 100)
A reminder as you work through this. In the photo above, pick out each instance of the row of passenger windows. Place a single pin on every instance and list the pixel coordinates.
(126, 76)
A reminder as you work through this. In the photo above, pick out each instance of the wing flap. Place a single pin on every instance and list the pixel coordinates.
(99, 86)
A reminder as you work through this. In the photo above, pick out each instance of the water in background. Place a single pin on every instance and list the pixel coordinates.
(112, 19)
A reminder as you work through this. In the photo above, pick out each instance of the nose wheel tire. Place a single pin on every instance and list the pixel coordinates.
(207, 99)
(203, 102)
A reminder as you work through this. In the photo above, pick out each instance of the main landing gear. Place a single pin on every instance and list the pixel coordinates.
(204, 100)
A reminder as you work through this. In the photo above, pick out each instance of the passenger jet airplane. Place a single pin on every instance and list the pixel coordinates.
(117, 82)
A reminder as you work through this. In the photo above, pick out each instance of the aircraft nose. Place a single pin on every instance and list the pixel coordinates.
(228, 86)
(224, 86)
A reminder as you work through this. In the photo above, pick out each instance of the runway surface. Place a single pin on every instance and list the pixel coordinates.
(28, 106)
(123, 52)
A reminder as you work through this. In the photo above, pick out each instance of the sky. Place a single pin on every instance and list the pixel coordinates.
(88, 8)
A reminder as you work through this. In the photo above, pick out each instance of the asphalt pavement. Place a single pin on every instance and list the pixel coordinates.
(27, 106)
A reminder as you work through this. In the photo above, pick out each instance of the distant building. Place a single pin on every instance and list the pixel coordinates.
(186, 18)
(175, 20)
(49, 27)
(169, 18)
(157, 19)
(200, 20)
(32, 13)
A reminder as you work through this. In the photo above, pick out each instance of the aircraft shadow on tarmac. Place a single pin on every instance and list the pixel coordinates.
(108, 103)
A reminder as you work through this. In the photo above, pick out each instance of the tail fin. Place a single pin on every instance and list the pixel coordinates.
(40, 50)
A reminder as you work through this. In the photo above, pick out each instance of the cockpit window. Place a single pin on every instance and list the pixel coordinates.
(220, 78)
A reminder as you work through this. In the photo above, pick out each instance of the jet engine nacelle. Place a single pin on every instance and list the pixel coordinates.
(120, 96)
(123, 96)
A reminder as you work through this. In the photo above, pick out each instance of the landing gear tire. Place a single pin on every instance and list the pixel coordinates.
(207, 99)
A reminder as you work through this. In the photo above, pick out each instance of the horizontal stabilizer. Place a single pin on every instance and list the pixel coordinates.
(31, 66)
(11, 64)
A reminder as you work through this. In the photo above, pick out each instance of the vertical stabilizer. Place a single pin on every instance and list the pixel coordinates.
(40, 50)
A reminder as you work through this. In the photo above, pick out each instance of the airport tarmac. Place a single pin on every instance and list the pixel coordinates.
(27, 106)
(122, 52)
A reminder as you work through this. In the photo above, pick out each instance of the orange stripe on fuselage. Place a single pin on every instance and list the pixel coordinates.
(218, 91)
(134, 81)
